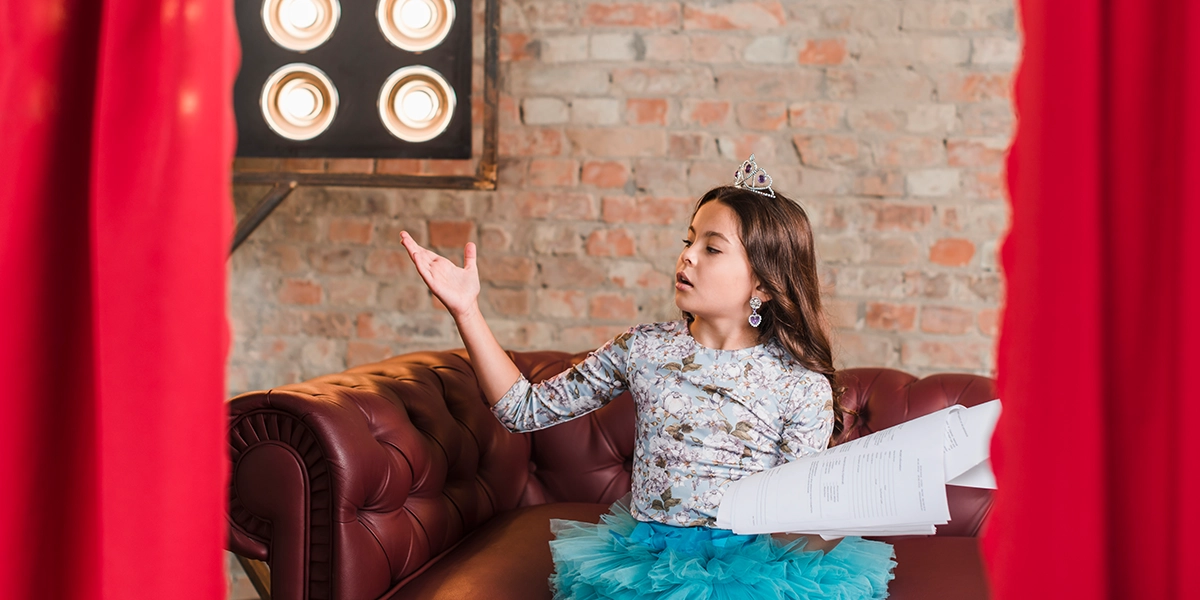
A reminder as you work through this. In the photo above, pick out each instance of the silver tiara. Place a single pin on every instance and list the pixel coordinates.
(752, 177)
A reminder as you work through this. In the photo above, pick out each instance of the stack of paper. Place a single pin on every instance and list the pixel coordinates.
(892, 482)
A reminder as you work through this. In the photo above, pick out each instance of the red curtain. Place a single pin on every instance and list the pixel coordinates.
(1097, 454)
(117, 139)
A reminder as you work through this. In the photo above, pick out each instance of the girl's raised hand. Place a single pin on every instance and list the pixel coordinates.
(457, 288)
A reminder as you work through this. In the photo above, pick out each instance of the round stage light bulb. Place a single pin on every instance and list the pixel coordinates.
(303, 13)
(301, 102)
(414, 14)
(418, 105)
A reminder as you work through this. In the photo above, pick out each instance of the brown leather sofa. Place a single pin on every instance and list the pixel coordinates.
(394, 480)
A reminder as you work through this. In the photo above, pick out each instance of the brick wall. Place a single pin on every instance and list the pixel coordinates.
(887, 119)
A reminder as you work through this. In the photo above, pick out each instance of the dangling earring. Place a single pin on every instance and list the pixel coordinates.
(755, 318)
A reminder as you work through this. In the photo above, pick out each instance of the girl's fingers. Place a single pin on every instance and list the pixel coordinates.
(469, 256)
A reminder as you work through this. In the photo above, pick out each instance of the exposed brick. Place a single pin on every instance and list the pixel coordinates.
(891, 317)
(605, 173)
(648, 210)
(361, 353)
(684, 79)
(900, 217)
(705, 113)
(983, 184)
(933, 182)
(629, 14)
(553, 172)
(509, 303)
(734, 15)
(350, 230)
(619, 142)
(506, 269)
(989, 322)
(494, 238)
(667, 47)
(285, 257)
(300, 291)
(561, 304)
(765, 83)
(947, 319)
(612, 307)
(450, 234)
(595, 111)
(646, 111)
(571, 48)
(544, 111)
(556, 239)
(843, 314)
(815, 115)
(687, 145)
(540, 79)
(822, 52)
(578, 339)
(718, 48)
(952, 252)
(884, 184)
(576, 272)
(335, 261)
(545, 205)
(826, 150)
(614, 46)
(910, 151)
(987, 152)
(853, 349)
(387, 262)
(974, 87)
(767, 49)
(610, 242)
(956, 354)
(874, 120)
(631, 275)
(517, 47)
(531, 142)
(354, 291)
(893, 250)
(762, 116)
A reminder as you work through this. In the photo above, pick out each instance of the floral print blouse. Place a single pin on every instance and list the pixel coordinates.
(704, 417)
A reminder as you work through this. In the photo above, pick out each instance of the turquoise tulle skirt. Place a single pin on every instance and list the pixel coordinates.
(622, 558)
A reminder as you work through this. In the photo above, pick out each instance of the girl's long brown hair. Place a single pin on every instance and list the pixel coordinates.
(779, 243)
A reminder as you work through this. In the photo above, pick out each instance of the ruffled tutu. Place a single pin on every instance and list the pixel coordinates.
(624, 559)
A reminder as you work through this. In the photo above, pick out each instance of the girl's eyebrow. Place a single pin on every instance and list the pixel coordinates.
(716, 234)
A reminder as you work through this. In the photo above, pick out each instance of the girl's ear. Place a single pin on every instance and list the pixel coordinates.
(761, 292)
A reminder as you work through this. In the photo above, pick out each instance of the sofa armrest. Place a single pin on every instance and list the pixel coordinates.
(349, 482)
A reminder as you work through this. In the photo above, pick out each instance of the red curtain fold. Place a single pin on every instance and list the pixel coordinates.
(1096, 466)
(118, 137)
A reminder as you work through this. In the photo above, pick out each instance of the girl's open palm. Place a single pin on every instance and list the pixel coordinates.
(457, 288)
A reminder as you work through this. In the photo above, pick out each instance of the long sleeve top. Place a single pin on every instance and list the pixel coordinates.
(705, 417)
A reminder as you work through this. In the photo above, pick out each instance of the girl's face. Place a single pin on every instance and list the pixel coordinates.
(713, 278)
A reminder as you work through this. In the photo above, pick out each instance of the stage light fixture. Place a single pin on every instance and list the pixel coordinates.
(300, 25)
(415, 25)
(299, 101)
(416, 104)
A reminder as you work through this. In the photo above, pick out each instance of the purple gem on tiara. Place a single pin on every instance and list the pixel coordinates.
(747, 169)
(762, 178)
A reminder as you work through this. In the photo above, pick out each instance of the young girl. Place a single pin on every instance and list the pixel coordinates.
(742, 383)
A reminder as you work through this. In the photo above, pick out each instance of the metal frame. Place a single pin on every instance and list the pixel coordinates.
(485, 171)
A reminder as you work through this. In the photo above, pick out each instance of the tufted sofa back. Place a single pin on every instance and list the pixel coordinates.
(348, 483)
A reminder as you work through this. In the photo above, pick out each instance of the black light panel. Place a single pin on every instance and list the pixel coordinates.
(354, 78)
